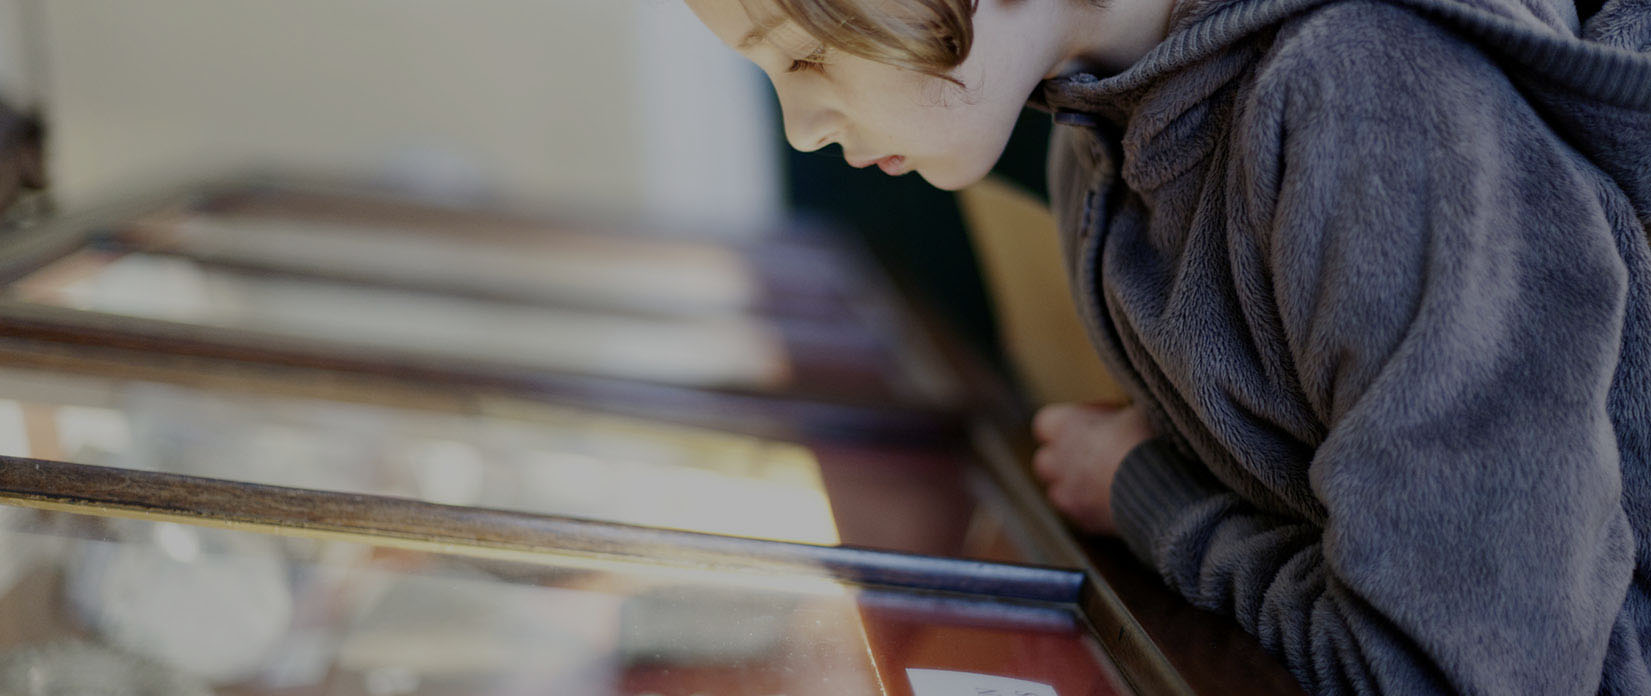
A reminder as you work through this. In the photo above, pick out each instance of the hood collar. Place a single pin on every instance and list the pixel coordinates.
(1201, 28)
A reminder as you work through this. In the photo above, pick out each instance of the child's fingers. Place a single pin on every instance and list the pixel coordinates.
(1064, 497)
(1081, 504)
(1043, 465)
(1051, 420)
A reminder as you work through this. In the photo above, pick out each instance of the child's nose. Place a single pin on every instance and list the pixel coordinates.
(809, 127)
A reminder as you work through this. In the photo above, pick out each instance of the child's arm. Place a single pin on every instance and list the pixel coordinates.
(1453, 298)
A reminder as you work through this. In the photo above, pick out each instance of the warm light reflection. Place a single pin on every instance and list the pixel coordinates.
(637, 472)
(158, 287)
(684, 498)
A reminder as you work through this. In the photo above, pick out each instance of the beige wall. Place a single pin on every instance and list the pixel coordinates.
(599, 104)
(16, 86)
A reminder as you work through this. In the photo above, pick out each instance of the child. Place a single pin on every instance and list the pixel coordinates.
(1374, 271)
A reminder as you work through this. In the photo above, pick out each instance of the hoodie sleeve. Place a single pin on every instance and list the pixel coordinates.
(1447, 279)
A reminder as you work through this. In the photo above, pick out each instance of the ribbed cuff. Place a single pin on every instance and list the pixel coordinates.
(1154, 485)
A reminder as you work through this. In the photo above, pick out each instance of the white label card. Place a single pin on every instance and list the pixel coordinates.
(935, 682)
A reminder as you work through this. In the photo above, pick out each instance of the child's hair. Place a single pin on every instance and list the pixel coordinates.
(926, 36)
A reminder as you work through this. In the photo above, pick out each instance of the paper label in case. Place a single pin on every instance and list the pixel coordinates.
(935, 682)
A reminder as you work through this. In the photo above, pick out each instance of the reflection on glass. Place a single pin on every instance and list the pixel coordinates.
(552, 461)
(618, 271)
(215, 605)
(73, 667)
(129, 607)
(716, 350)
(522, 456)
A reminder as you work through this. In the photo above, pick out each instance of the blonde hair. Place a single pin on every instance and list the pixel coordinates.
(926, 36)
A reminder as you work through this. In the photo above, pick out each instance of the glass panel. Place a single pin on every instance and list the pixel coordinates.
(519, 456)
(622, 272)
(702, 351)
(91, 605)
(312, 275)
(843, 337)
(402, 242)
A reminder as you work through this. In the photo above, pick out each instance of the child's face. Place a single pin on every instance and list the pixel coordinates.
(899, 120)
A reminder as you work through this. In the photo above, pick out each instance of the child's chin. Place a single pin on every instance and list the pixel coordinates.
(952, 179)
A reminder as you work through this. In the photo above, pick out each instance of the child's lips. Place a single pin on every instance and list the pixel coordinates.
(892, 165)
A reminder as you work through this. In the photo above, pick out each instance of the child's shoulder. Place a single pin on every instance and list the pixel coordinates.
(1356, 53)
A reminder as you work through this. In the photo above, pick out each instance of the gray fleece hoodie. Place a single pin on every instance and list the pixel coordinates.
(1378, 271)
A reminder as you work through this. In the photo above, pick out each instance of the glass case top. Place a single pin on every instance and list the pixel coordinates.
(519, 456)
(95, 605)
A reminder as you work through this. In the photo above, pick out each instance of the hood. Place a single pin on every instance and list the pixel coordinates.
(1592, 83)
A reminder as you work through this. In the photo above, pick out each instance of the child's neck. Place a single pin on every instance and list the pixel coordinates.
(1110, 38)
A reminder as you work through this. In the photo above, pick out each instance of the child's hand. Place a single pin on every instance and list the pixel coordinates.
(1083, 445)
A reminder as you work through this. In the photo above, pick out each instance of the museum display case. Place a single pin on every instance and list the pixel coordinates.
(273, 439)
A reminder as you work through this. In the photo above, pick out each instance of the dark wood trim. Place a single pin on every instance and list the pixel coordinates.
(293, 511)
(1210, 651)
(1161, 643)
(1141, 662)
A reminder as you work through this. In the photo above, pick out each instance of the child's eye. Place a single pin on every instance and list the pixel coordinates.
(814, 61)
